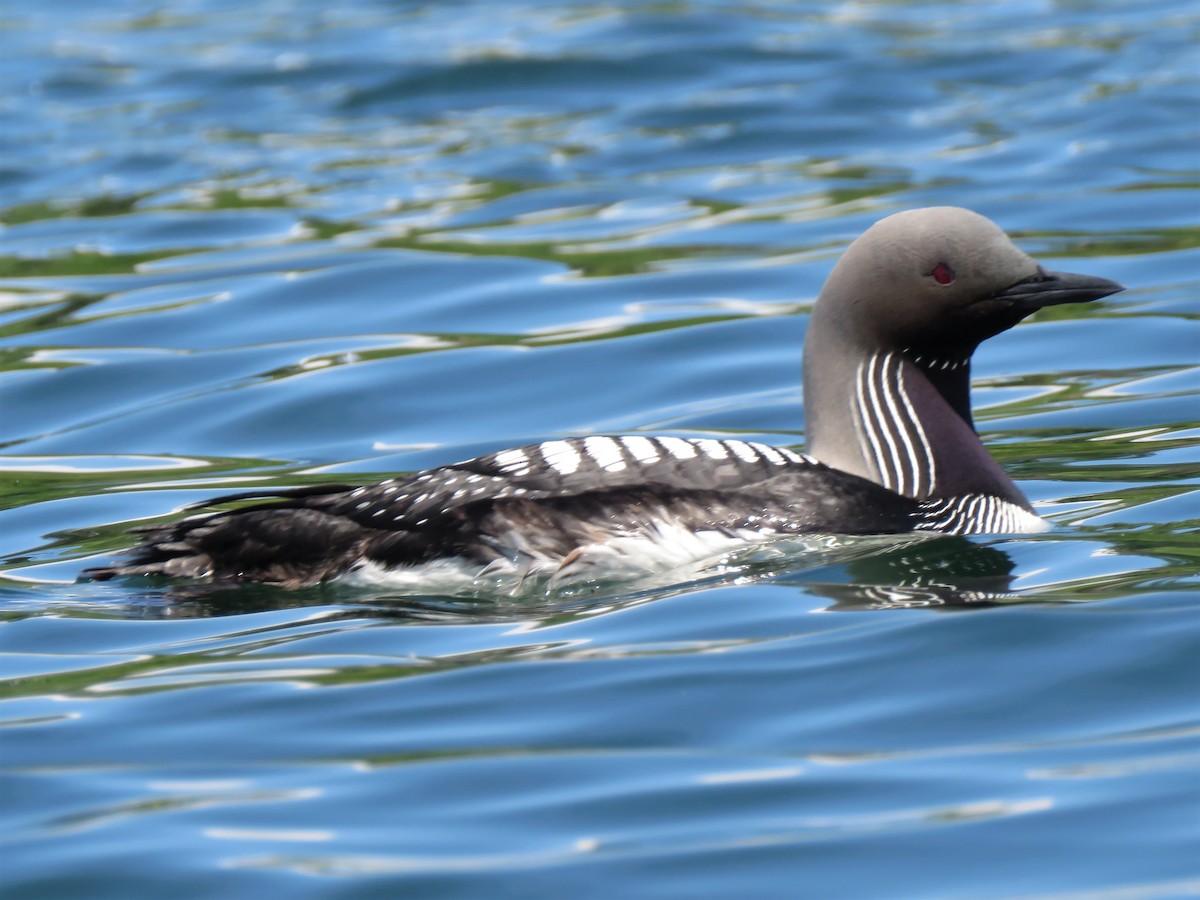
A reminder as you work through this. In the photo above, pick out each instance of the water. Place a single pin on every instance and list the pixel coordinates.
(295, 241)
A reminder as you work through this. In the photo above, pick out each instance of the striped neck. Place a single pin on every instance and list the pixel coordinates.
(903, 420)
(891, 437)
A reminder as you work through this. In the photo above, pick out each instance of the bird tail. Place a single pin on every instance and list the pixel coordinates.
(283, 542)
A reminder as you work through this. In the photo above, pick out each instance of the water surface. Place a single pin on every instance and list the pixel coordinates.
(293, 242)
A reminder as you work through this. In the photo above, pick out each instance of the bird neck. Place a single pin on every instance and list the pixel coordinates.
(902, 419)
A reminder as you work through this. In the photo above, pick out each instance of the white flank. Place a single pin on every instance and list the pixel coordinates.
(664, 546)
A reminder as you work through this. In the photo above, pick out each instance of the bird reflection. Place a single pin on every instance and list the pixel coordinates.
(943, 572)
(856, 574)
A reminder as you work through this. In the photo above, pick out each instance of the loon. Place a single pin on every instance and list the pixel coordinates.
(892, 449)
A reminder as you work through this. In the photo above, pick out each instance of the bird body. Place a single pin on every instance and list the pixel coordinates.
(892, 449)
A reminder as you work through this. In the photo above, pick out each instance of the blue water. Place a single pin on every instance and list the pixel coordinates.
(278, 243)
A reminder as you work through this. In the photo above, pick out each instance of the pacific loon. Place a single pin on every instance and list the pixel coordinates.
(892, 449)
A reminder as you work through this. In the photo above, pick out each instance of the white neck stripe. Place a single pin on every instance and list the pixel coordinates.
(906, 466)
(895, 442)
(977, 514)
(925, 464)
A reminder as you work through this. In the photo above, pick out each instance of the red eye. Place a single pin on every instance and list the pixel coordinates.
(943, 274)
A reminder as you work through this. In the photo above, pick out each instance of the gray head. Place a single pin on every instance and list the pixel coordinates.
(918, 290)
(939, 281)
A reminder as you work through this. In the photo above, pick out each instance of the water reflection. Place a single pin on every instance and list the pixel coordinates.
(857, 574)
(947, 572)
